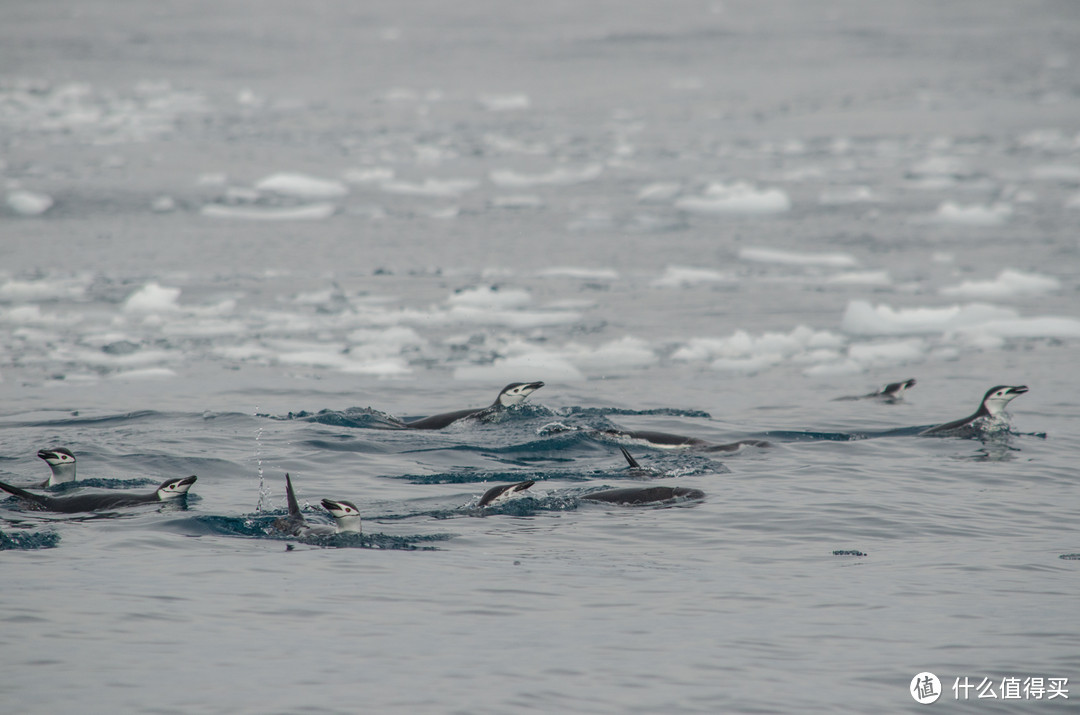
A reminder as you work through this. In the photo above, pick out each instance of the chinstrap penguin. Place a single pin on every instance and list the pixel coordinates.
(512, 394)
(644, 495)
(893, 392)
(503, 492)
(169, 490)
(991, 413)
(346, 517)
(666, 440)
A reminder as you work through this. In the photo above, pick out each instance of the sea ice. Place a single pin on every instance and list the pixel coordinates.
(737, 198)
(302, 186)
(1008, 283)
(770, 255)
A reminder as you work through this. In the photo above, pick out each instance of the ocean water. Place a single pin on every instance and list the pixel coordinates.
(238, 239)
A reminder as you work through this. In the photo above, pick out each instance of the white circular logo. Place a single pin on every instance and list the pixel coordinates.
(925, 688)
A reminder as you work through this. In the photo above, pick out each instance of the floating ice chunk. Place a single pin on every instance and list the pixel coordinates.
(736, 198)
(49, 288)
(371, 175)
(627, 352)
(432, 188)
(551, 366)
(885, 354)
(770, 255)
(520, 201)
(152, 298)
(954, 214)
(847, 195)
(1038, 327)
(504, 102)
(561, 176)
(163, 204)
(307, 212)
(386, 367)
(867, 278)
(490, 297)
(589, 274)
(1008, 283)
(861, 318)
(29, 203)
(659, 191)
(683, 276)
(743, 351)
(510, 145)
(146, 373)
(302, 186)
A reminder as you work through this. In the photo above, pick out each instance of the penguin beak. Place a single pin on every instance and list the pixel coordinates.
(533, 386)
(331, 505)
(46, 454)
(187, 481)
(1018, 390)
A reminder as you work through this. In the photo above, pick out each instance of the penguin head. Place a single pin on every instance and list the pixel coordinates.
(56, 456)
(61, 462)
(345, 513)
(175, 488)
(1000, 395)
(515, 392)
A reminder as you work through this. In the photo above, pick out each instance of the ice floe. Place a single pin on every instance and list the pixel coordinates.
(431, 188)
(302, 186)
(1008, 283)
(770, 255)
(559, 176)
(29, 203)
(152, 298)
(685, 276)
(736, 198)
(306, 212)
(953, 214)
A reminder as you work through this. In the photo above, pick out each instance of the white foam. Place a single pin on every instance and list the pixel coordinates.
(152, 298)
(770, 255)
(302, 186)
(862, 318)
(954, 214)
(29, 203)
(560, 176)
(737, 198)
(684, 276)
(308, 212)
(589, 274)
(430, 188)
(1008, 283)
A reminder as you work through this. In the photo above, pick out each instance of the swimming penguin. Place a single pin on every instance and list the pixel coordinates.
(510, 395)
(169, 490)
(644, 495)
(503, 492)
(346, 517)
(991, 413)
(891, 393)
(62, 464)
(665, 440)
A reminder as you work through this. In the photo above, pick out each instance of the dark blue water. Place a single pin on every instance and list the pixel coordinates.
(706, 220)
